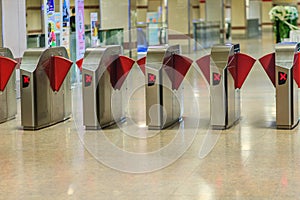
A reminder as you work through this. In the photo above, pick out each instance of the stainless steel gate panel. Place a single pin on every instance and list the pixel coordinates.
(286, 87)
(162, 101)
(8, 102)
(98, 89)
(3, 107)
(41, 104)
(224, 96)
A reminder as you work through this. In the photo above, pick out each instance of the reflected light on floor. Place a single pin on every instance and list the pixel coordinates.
(142, 125)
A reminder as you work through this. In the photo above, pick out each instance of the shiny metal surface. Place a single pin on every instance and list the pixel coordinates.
(97, 95)
(287, 116)
(225, 99)
(8, 102)
(162, 102)
(40, 105)
(251, 161)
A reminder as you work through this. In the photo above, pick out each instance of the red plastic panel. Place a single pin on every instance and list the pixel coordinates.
(204, 65)
(7, 66)
(296, 69)
(79, 63)
(244, 65)
(268, 63)
(57, 71)
(119, 70)
(181, 65)
(232, 68)
(142, 64)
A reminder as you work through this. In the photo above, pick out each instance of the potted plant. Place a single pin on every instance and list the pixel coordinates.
(284, 19)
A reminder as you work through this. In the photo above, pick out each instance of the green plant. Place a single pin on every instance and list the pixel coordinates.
(284, 19)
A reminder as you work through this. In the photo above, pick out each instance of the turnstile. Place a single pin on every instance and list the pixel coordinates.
(45, 87)
(225, 70)
(103, 73)
(282, 68)
(164, 73)
(8, 102)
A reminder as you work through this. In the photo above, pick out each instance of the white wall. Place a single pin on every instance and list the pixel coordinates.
(254, 10)
(14, 26)
(178, 16)
(213, 10)
(114, 14)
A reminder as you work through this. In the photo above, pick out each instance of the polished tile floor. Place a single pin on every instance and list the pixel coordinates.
(252, 160)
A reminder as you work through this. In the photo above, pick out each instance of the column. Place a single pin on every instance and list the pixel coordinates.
(215, 12)
(141, 11)
(238, 18)
(178, 16)
(202, 9)
(266, 6)
(14, 26)
(195, 9)
(116, 14)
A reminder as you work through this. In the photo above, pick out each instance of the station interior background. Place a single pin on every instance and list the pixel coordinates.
(252, 160)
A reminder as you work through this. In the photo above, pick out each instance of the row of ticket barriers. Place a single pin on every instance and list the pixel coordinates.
(46, 90)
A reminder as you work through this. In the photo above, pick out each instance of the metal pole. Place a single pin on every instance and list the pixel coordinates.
(100, 13)
(166, 4)
(45, 23)
(189, 23)
(222, 25)
(129, 27)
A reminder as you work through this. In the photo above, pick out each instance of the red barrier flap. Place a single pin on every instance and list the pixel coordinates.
(232, 68)
(268, 63)
(181, 65)
(119, 70)
(204, 65)
(7, 67)
(296, 68)
(142, 64)
(244, 65)
(57, 71)
(79, 64)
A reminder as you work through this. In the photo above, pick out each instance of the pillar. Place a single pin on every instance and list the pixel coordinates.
(141, 11)
(266, 6)
(213, 10)
(215, 13)
(178, 16)
(195, 9)
(117, 14)
(202, 9)
(238, 18)
(13, 28)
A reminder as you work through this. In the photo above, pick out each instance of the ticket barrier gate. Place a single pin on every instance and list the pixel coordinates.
(225, 70)
(164, 70)
(104, 71)
(282, 67)
(45, 87)
(8, 101)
